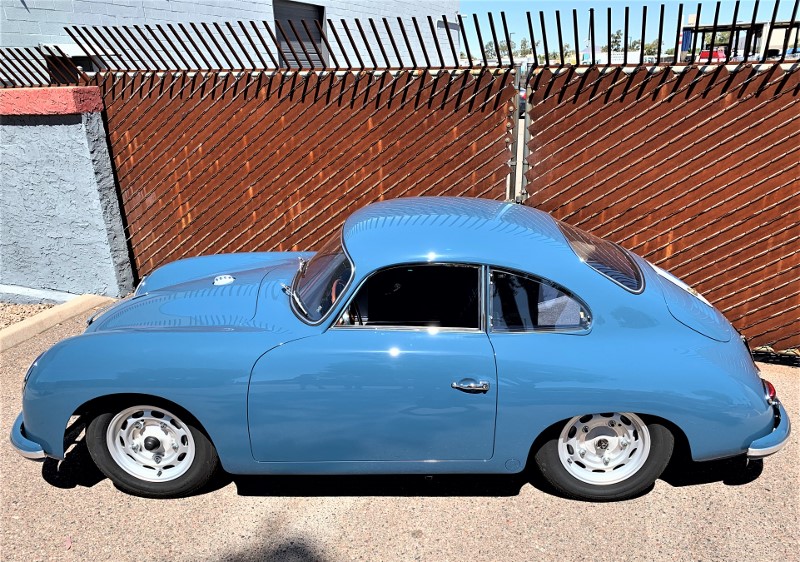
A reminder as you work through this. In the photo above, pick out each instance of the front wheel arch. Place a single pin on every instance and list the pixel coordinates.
(100, 404)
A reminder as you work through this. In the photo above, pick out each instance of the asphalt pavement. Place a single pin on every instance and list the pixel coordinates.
(711, 511)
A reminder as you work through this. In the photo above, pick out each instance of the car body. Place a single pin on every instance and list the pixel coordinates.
(432, 335)
(717, 56)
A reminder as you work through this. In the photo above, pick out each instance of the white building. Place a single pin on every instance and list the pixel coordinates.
(31, 23)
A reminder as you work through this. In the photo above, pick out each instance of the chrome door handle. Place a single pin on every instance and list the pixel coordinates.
(471, 385)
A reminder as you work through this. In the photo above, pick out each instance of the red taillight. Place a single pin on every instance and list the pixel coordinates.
(769, 390)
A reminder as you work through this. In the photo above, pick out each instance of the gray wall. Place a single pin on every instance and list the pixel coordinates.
(26, 23)
(60, 225)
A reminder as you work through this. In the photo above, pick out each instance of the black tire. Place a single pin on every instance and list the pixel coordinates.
(201, 465)
(554, 471)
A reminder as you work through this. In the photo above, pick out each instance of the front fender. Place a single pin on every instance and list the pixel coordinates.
(205, 373)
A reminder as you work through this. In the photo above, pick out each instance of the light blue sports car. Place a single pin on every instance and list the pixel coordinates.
(429, 336)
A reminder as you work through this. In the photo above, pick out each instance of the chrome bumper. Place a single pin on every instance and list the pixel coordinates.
(24, 446)
(776, 440)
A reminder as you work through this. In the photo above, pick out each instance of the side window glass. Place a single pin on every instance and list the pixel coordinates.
(418, 296)
(525, 304)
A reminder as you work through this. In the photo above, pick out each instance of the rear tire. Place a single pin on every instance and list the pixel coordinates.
(151, 452)
(605, 457)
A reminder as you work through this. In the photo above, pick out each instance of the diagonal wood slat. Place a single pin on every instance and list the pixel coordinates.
(221, 161)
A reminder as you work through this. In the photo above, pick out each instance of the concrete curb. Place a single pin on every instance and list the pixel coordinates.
(30, 327)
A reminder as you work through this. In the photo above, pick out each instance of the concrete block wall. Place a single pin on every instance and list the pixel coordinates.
(60, 222)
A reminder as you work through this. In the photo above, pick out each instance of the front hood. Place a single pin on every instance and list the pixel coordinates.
(219, 298)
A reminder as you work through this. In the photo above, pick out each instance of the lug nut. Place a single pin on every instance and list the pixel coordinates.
(582, 453)
(606, 460)
(611, 423)
(163, 427)
(157, 459)
(586, 429)
(174, 446)
(138, 425)
(135, 448)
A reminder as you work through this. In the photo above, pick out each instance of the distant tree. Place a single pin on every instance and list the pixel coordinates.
(616, 40)
(488, 48)
(504, 50)
(634, 45)
(669, 51)
(652, 48)
(524, 48)
(721, 39)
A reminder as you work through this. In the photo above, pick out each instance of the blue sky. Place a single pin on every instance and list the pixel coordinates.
(518, 26)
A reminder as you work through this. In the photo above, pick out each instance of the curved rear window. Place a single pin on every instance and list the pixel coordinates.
(604, 257)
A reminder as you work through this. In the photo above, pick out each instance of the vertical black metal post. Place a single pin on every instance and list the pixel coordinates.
(577, 40)
(644, 30)
(678, 36)
(544, 39)
(769, 32)
(694, 34)
(750, 36)
(734, 31)
(560, 38)
(713, 34)
(625, 38)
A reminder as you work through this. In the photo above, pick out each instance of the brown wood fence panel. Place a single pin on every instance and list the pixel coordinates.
(211, 162)
(697, 171)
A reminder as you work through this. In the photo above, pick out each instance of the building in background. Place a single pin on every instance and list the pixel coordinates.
(34, 23)
(745, 39)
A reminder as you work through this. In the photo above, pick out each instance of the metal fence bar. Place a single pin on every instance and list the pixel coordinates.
(577, 40)
(242, 46)
(789, 32)
(769, 32)
(714, 33)
(644, 30)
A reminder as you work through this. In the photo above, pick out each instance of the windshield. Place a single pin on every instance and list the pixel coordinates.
(323, 280)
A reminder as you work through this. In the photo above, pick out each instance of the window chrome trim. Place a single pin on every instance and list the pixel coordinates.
(399, 328)
(539, 279)
(296, 280)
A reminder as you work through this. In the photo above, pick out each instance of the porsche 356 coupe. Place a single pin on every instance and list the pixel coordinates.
(429, 336)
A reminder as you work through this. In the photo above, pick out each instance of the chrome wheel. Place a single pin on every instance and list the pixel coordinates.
(604, 449)
(150, 443)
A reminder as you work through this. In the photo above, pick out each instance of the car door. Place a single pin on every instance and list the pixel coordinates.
(406, 374)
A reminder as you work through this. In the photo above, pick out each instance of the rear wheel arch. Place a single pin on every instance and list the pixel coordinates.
(682, 445)
(554, 454)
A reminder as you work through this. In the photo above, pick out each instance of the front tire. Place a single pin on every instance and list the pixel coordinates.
(151, 452)
(605, 457)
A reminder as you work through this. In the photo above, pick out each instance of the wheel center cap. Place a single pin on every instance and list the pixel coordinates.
(600, 444)
(151, 443)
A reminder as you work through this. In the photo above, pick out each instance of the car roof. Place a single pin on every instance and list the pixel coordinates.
(455, 229)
